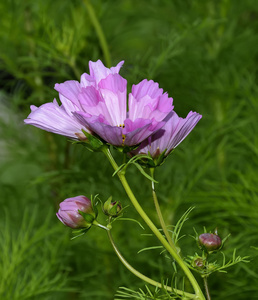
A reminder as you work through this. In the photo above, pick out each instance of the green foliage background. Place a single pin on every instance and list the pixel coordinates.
(204, 53)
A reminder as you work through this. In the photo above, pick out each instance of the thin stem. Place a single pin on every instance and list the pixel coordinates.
(206, 288)
(160, 216)
(76, 71)
(96, 223)
(143, 277)
(154, 229)
(99, 32)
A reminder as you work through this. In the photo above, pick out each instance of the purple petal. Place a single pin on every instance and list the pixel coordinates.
(59, 217)
(113, 90)
(146, 87)
(148, 101)
(54, 118)
(70, 90)
(87, 80)
(92, 102)
(171, 135)
(138, 130)
(184, 127)
(109, 100)
(69, 106)
(116, 69)
(98, 124)
(98, 71)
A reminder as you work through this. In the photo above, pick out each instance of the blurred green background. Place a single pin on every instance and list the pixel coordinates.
(204, 53)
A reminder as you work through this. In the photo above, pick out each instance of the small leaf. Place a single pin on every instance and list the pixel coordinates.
(144, 173)
(129, 219)
(150, 248)
(79, 232)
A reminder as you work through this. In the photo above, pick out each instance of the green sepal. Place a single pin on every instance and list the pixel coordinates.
(111, 208)
(94, 202)
(148, 161)
(79, 232)
(108, 202)
(92, 143)
(89, 218)
(125, 149)
(144, 160)
(105, 206)
(161, 158)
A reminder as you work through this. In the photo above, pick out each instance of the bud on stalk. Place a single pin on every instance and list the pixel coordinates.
(210, 241)
(77, 212)
(112, 209)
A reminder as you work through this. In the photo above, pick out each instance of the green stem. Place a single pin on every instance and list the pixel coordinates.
(205, 278)
(206, 288)
(143, 277)
(99, 31)
(96, 223)
(154, 229)
(160, 216)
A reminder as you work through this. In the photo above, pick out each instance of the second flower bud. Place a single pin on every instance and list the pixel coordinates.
(112, 208)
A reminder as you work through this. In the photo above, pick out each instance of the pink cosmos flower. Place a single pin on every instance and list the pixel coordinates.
(69, 215)
(98, 104)
(170, 136)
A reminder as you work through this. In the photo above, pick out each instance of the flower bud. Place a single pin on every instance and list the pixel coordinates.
(198, 263)
(112, 209)
(76, 212)
(210, 241)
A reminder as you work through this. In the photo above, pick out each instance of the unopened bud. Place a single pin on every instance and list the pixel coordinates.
(77, 212)
(198, 263)
(210, 241)
(112, 209)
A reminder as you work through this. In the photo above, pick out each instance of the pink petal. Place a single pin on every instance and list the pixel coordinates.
(148, 101)
(111, 134)
(98, 71)
(113, 90)
(54, 118)
(70, 90)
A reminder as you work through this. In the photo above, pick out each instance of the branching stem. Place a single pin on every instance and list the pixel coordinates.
(198, 292)
(143, 277)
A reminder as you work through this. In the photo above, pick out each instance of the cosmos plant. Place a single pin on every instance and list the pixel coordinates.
(144, 128)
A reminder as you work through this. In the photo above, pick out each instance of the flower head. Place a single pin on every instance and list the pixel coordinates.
(98, 105)
(76, 212)
(169, 136)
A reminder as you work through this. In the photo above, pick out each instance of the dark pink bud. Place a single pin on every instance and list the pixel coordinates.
(198, 263)
(112, 209)
(76, 212)
(210, 241)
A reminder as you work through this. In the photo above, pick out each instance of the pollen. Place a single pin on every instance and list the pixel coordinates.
(123, 139)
